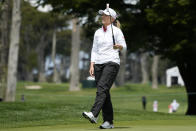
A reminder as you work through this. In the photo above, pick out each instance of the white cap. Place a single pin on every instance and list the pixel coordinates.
(111, 12)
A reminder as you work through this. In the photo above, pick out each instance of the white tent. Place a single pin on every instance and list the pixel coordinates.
(173, 77)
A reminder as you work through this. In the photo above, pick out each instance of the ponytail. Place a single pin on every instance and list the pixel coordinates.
(117, 23)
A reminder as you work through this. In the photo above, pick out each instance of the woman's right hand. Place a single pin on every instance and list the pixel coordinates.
(91, 70)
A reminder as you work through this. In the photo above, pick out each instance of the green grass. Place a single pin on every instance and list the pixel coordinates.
(55, 108)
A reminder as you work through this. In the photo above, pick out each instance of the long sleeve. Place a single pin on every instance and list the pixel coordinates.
(121, 39)
(102, 47)
(94, 50)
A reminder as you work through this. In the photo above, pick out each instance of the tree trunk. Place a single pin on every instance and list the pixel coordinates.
(5, 20)
(155, 72)
(13, 51)
(56, 78)
(2, 81)
(121, 74)
(41, 59)
(144, 68)
(4, 43)
(29, 76)
(41, 66)
(27, 68)
(135, 69)
(187, 71)
(62, 69)
(74, 69)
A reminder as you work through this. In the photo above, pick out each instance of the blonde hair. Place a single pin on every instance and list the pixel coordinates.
(117, 23)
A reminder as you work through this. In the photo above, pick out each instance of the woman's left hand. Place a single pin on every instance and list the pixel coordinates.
(117, 46)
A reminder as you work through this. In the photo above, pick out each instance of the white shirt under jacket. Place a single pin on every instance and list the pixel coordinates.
(102, 50)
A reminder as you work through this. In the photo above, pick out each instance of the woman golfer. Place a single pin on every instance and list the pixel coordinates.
(105, 63)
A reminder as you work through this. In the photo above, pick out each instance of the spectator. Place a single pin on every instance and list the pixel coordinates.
(155, 106)
(144, 102)
(175, 105)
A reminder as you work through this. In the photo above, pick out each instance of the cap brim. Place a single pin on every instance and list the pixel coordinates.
(101, 12)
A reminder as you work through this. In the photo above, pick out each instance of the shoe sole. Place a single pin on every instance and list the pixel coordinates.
(85, 116)
(106, 128)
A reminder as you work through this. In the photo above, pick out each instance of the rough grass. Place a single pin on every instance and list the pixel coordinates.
(55, 108)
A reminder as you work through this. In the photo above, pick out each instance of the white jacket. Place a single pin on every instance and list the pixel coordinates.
(102, 50)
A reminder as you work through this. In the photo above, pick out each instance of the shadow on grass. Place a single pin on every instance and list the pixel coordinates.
(121, 127)
(116, 127)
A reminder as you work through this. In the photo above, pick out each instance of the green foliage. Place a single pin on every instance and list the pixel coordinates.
(143, 23)
(32, 60)
(63, 43)
(89, 9)
(175, 22)
(37, 28)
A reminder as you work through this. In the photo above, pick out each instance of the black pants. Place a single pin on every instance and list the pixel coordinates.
(105, 75)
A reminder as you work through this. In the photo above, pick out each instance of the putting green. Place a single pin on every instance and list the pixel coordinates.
(147, 125)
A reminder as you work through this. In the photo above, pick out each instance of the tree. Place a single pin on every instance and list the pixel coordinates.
(55, 73)
(4, 26)
(58, 23)
(5, 11)
(35, 35)
(63, 48)
(13, 51)
(176, 34)
(144, 68)
(74, 70)
(88, 9)
(155, 71)
(36, 38)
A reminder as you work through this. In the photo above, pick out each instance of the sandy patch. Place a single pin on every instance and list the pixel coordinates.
(33, 87)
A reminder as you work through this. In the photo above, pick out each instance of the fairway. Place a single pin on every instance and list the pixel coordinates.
(54, 108)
